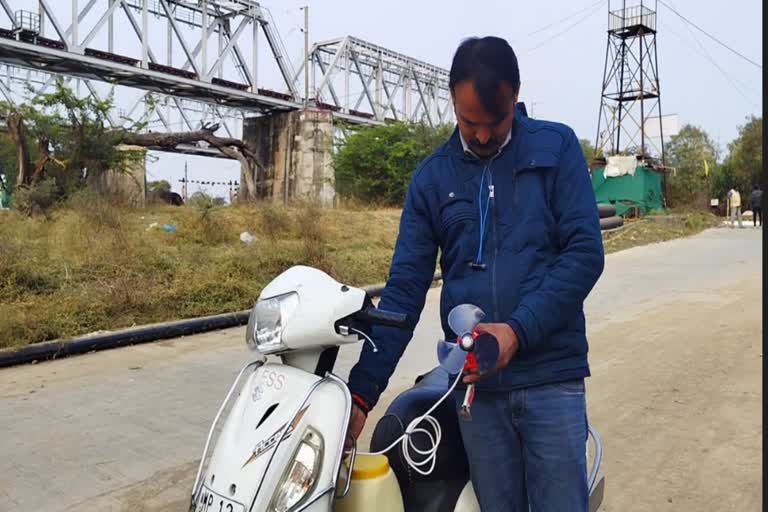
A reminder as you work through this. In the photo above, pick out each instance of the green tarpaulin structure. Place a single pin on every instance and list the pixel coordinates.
(643, 190)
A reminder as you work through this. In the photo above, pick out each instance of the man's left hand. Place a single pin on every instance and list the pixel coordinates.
(508, 347)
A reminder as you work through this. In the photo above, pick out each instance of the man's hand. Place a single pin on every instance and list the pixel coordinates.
(508, 347)
(356, 423)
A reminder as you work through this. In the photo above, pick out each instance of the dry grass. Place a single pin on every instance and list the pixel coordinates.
(654, 230)
(92, 266)
(275, 221)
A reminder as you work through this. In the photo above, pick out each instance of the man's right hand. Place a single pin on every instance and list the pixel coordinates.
(356, 423)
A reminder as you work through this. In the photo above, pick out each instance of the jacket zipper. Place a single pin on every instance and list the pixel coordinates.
(495, 257)
(495, 245)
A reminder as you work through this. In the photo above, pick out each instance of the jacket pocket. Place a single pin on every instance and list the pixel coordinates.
(534, 184)
(458, 209)
(575, 386)
(535, 236)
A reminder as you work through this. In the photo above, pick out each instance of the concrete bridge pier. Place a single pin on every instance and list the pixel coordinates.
(295, 150)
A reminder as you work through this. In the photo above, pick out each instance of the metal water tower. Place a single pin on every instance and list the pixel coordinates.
(630, 103)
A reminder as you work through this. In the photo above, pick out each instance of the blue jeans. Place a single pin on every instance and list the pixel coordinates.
(527, 448)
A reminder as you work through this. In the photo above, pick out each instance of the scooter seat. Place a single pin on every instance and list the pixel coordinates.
(440, 490)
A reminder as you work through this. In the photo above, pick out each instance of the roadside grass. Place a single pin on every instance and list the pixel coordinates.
(93, 266)
(655, 229)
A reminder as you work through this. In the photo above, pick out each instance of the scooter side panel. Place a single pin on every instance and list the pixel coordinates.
(249, 457)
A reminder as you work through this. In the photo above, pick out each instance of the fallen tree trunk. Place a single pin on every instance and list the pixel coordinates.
(231, 147)
(169, 140)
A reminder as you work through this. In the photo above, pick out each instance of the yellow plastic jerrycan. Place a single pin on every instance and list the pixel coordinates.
(374, 487)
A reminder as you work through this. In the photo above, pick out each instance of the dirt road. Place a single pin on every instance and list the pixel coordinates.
(676, 358)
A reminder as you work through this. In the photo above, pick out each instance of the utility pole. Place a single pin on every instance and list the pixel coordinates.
(145, 34)
(186, 181)
(306, 56)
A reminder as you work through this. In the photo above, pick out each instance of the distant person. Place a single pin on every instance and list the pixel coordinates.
(756, 202)
(734, 199)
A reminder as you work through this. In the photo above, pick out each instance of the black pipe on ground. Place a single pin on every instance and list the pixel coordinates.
(611, 222)
(606, 210)
(81, 345)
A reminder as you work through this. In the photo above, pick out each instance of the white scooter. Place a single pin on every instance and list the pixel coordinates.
(277, 441)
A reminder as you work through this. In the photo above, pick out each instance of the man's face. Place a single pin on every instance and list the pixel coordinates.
(484, 131)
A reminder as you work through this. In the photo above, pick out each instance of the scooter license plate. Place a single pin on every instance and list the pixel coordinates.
(209, 501)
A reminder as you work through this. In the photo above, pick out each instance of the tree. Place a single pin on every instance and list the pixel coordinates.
(202, 199)
(61, 137)
(375, 164)
(588, 150)
(723, 179)
(158, 186)
(745, 155)
(686, 152)
(8, 164)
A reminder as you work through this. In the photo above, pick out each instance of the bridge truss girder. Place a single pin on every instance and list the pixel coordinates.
(158, 112)
(390, 85)
(203, 86)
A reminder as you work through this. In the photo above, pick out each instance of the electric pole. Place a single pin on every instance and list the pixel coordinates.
(186, 181)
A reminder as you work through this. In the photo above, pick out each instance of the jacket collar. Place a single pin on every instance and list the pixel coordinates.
(457, 145)
(469, 152)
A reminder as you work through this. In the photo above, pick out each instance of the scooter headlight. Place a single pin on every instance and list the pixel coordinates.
(299, 480)
(268, 320)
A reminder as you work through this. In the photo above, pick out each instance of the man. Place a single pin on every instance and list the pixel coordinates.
(508, 202)
(734, 200)
(756, 202)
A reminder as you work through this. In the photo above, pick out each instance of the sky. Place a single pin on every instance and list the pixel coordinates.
(561, 66)
(561, 52)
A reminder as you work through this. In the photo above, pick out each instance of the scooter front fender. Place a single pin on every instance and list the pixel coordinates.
(268, 414)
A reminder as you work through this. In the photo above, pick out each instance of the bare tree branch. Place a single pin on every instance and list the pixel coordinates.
(44, 156)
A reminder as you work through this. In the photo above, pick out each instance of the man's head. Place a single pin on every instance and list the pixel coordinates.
(484, 82)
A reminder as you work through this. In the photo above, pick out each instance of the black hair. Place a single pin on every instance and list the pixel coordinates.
(487, 62)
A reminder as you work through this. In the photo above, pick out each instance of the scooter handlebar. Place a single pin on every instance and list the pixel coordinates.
(373, 315)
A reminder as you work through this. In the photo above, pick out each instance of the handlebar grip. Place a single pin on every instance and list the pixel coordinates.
(382, 317)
